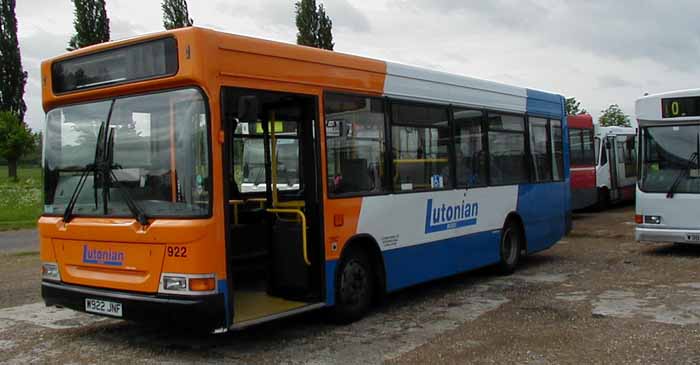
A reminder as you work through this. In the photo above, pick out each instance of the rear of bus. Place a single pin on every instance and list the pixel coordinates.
(584, 193)
(127, 229)
(668, 193)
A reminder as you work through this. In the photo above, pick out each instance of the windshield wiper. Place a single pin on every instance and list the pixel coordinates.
(692, 160)
(108, 174)
(91, 168)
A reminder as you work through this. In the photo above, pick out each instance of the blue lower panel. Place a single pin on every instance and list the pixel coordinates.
(330, 281)
(543, 209)
(222, 286)
(414, 265)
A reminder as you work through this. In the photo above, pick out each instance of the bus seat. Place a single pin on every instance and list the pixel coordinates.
(356, 175)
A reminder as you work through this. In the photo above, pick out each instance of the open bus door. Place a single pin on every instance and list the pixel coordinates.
(611, 147)
(274, 232)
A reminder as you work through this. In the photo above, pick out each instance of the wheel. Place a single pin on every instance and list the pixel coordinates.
(510, 248)
(354, 288)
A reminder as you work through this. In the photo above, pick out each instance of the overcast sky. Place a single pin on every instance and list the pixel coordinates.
(600, 52)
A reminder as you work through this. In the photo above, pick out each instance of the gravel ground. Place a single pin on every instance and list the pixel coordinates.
(596, 297)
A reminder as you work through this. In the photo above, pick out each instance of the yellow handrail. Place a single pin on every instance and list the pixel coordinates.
(235, 204)
(301, 215)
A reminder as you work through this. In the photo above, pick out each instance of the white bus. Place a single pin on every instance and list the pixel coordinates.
(616, 170)
(668, 193)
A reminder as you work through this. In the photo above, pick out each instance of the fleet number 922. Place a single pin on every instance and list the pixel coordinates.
(177, 251)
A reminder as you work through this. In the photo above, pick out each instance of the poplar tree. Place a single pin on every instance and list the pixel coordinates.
(175, 14)
(15, 137)
(315, 28)
(91, 24)
(13, 78)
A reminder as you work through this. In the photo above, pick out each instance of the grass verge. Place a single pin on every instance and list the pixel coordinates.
(20, 201)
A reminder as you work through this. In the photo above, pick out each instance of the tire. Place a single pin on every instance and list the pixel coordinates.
(354, 288)
(512, 243)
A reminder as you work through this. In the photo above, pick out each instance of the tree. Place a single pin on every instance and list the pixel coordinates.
(314, 25)
(613, 116)
(91, 24)
(325, 30)
(16, 139)
(13, 78)
(573, 107)
(175, 14)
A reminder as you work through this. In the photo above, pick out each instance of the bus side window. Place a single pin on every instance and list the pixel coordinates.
(557, 149)
(354, 144)
(471, 155)
(421, 140)
(604, 153)
(508, 159)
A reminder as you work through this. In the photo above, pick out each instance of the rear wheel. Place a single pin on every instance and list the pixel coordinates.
(510, 248)
(354, 287)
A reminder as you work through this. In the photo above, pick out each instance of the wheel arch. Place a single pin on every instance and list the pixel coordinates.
(518, 220)
(369, 245)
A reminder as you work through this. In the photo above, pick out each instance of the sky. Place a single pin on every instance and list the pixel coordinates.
(601, 52)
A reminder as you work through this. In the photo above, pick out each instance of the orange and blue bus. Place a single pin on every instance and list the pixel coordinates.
(224, 181)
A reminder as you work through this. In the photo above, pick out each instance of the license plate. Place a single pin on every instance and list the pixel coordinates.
(692, 237)
(103, 307)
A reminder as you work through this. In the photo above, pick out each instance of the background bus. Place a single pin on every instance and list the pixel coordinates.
(584, 191)
(669, 186)
(616, 173)
(228, 181)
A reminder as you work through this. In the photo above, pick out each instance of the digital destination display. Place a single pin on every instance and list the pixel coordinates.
(680, 107)
(125, 64)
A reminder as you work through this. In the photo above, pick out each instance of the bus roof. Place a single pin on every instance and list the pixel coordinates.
(650, 108)
(614, 131)
(227, 55)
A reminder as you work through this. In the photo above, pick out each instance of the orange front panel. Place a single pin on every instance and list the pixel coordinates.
(196, 249)
(123, 266)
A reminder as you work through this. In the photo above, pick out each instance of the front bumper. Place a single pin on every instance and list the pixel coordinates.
(665, 235)
(203, 312)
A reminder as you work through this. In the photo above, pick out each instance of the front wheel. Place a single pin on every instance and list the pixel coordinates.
(510, 248)
(354, 288)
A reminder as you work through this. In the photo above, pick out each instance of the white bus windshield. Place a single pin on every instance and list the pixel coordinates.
(671, 157)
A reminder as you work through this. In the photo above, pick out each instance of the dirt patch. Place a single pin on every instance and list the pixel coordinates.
(19, 279)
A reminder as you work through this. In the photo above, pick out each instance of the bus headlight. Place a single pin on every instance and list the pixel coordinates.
(652, 219)
(49, 271)
(174, 283)
(187, 284)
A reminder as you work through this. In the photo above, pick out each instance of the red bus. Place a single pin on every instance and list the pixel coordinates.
(584, 192)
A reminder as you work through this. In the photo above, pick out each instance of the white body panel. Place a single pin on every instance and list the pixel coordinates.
(648, 108)
(413, 83)
(398, 221)
(679, 216)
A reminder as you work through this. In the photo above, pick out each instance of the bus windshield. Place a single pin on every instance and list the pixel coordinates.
(671, 159)
(160, 156)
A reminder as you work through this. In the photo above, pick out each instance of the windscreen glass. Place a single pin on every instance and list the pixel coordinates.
(671, 159)
(159, 148)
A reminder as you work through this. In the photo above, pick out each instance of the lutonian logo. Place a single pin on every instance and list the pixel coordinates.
(102, 257)
(450, 216)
